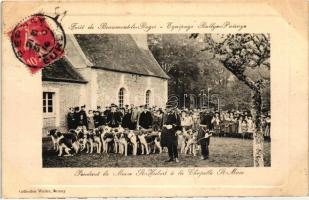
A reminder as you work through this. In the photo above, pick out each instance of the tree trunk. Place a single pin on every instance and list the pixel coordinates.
(258, 138)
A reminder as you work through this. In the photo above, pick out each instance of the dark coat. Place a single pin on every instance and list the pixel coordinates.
(113, 119)
(145, 120)
(106, 112)
(72, 121)
(127, 123)
(102, 120)
(201, 134)
(206, 120)
(85, 118)
(169, 135)
(77, 119)
(96, 119)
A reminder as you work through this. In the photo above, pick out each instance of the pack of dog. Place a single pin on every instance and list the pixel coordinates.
(106, 140)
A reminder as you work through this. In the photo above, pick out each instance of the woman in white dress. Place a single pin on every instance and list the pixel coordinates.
(216, 123)
(239, 127)
(250, 127)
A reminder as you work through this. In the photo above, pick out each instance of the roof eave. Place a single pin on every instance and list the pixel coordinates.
(64, 80)
(123, 71)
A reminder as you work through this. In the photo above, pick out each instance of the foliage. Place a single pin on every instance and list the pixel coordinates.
(197, 64)
(239, 53)
(192, 70)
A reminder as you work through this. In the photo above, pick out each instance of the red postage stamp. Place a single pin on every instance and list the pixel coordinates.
(38, 41)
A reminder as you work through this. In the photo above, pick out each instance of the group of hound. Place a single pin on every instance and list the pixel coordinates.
(118, 140)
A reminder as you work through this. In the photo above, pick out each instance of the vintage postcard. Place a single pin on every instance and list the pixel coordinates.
(154, 99)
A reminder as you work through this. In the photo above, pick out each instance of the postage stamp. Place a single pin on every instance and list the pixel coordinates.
(38, 40)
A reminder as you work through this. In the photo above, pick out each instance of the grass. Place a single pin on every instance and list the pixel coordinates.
(224, 152)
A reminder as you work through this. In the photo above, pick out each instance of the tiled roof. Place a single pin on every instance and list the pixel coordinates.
(119, 52)
(61, 71)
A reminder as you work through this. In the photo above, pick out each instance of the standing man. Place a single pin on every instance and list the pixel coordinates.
(71, 119)
(84, 117)
(203, 136)
(96, 118)
(113, 117)
(126, 120)
(76, 116)
(134, 117)
(145, 119)
(107, 110)
(169, 137)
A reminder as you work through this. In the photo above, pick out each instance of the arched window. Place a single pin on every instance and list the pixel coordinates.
(121, 94)
(148, 93)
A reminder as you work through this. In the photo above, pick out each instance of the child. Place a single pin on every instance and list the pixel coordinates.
(196, 119)
(222, 124)
(239, 122)
(186, 121)
(216, 123)
(232, 125)
(250, 126)
(243, 128)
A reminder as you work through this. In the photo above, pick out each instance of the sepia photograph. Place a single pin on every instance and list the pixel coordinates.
(153, 99)
(158, 100)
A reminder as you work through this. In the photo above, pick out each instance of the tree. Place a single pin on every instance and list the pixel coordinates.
(190, 70)
(237, 53)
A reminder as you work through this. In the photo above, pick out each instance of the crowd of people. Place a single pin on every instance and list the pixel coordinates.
(170, 122)
(224, 123)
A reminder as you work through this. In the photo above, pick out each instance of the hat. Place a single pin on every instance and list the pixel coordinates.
(113, 105)
(83, 106)
(98, 107)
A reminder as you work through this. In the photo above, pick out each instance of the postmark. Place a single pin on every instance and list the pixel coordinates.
(38, 41)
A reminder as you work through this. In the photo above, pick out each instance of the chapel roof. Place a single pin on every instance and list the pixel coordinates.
(61, 71)
(120, 53)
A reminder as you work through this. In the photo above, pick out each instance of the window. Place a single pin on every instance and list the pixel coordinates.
(48, 102)
(121, 97)
(148, 93)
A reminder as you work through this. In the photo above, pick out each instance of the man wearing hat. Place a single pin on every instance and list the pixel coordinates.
(76, 116)
(168, 135)
(107, 110)
(113, 117)
(134, 116)
(84, 114)
(145, 118)
(203, 136)
(99, 110)
(71, 121)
